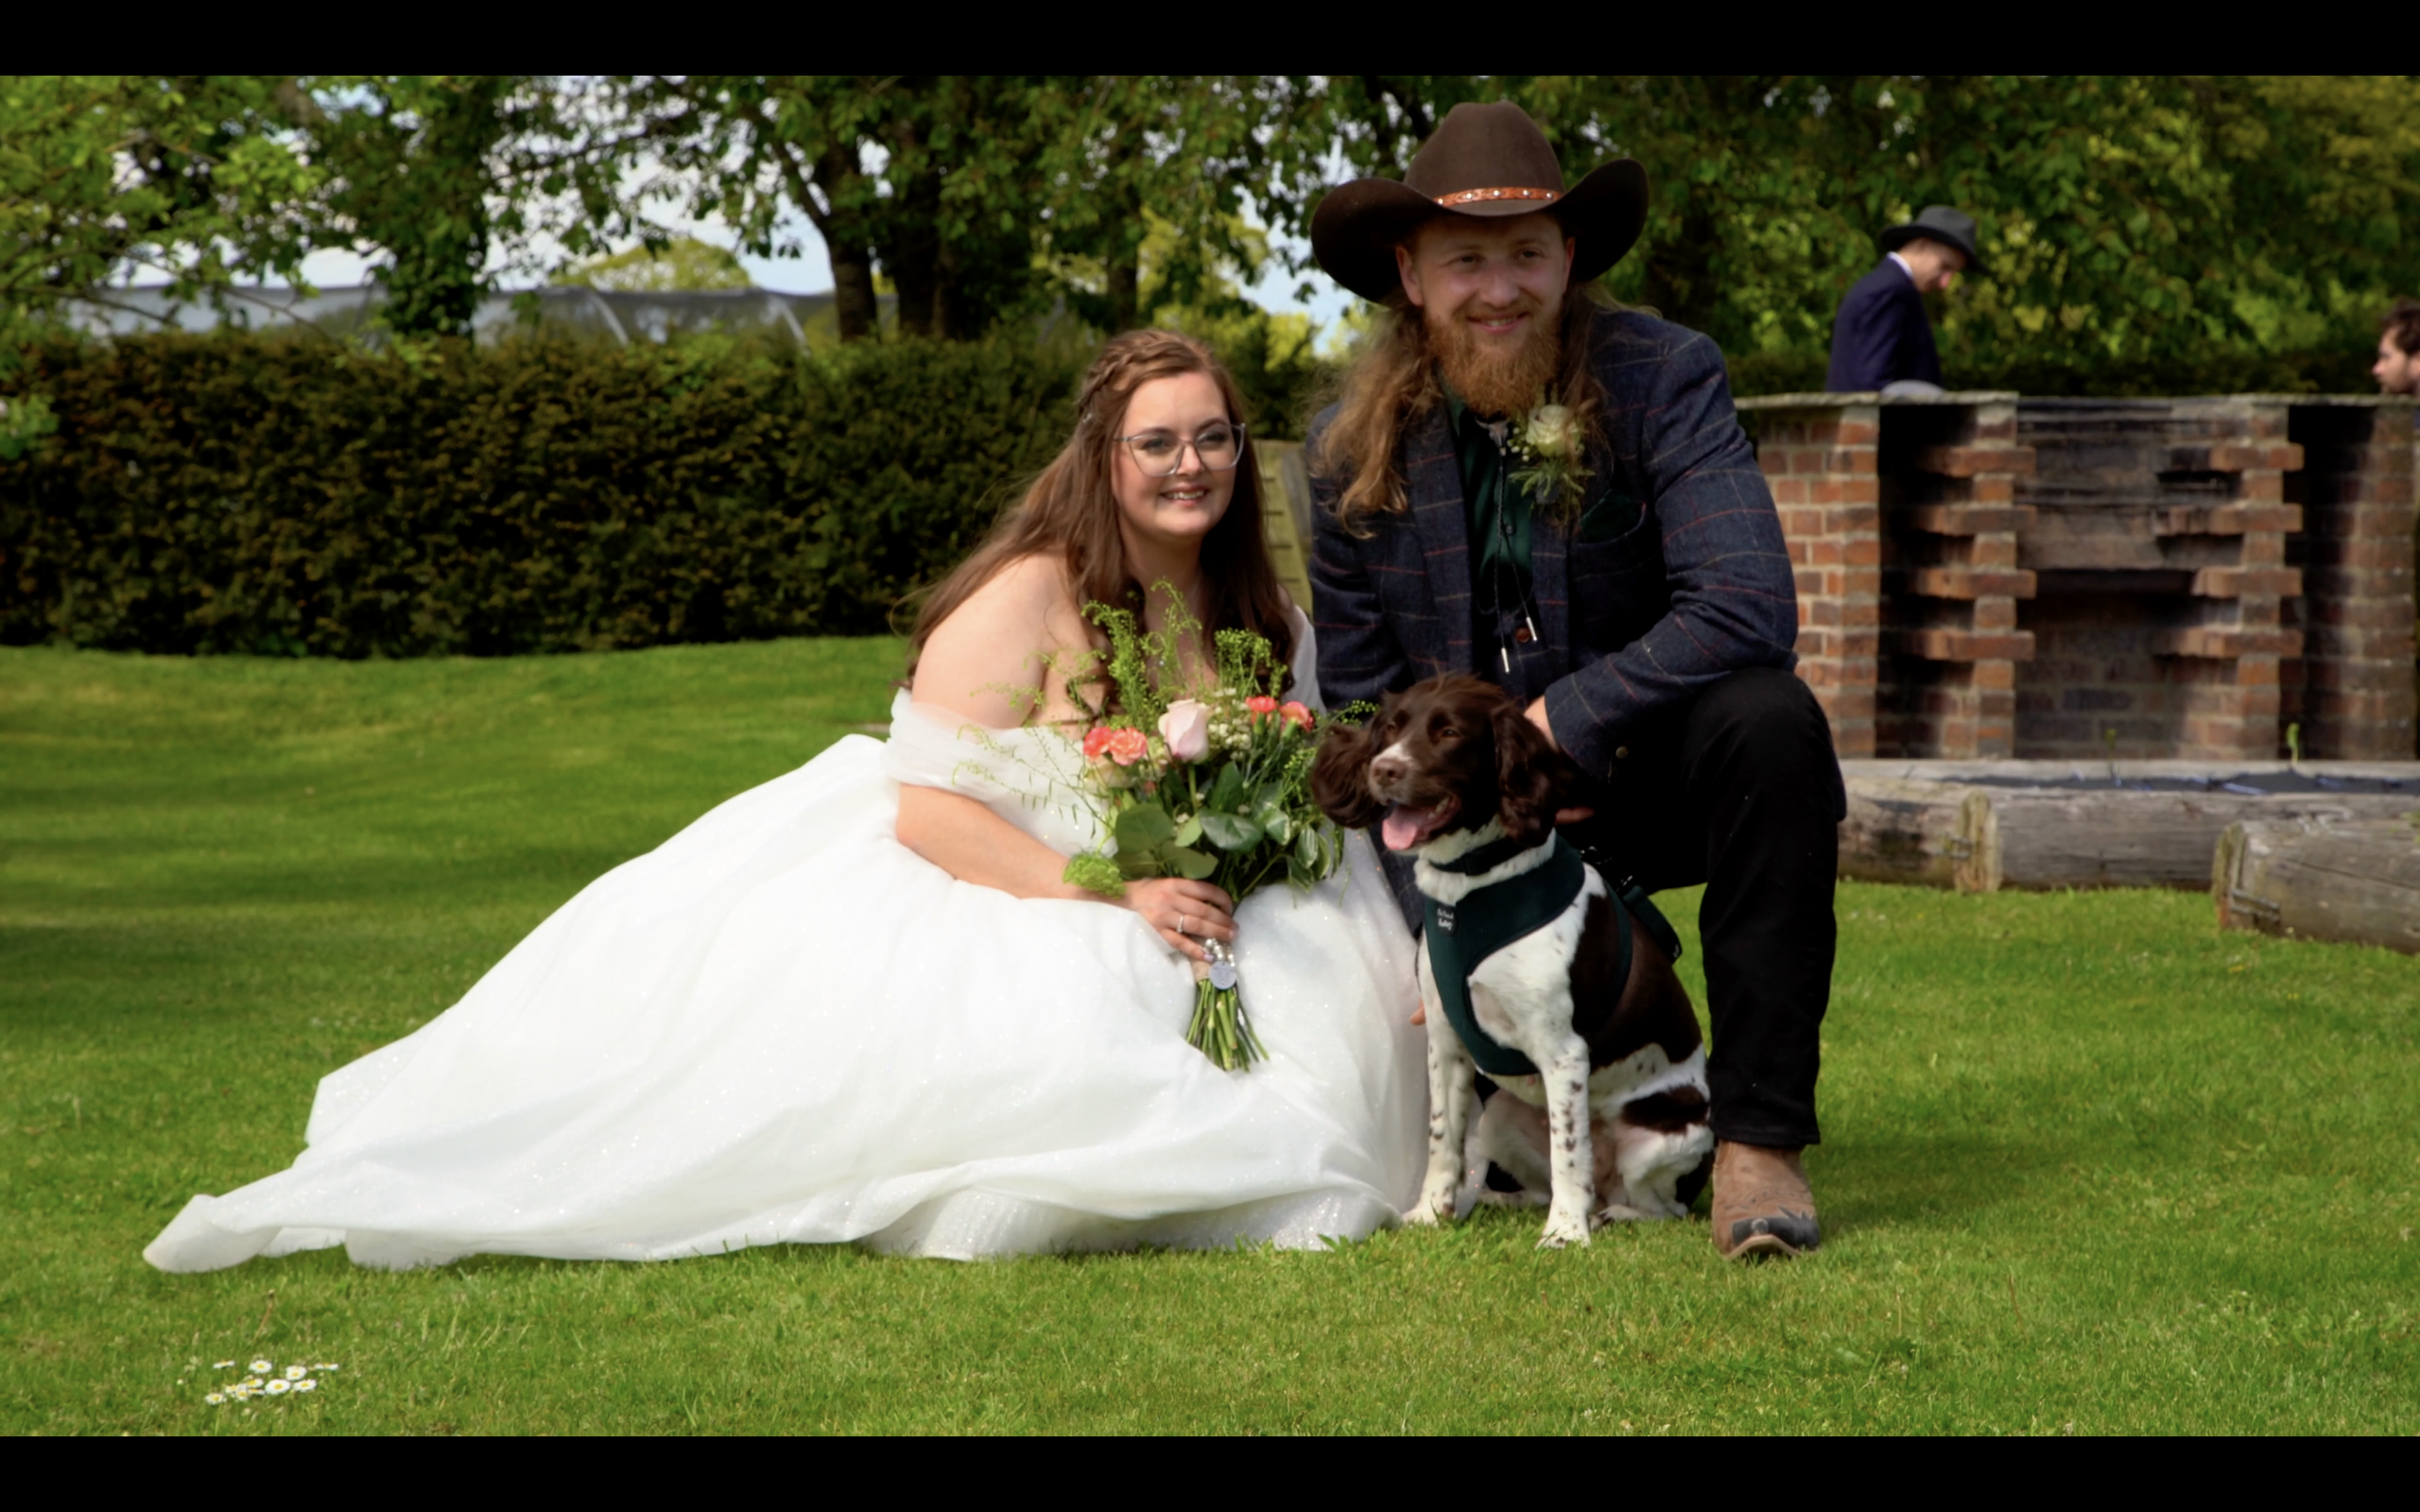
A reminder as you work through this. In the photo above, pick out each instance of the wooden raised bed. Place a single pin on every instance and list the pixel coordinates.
(2355, 881)
(1982, 826)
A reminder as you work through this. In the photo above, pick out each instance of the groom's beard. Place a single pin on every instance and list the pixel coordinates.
(1493, 383)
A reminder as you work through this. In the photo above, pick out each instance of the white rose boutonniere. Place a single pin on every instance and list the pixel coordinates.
(1549, 443)
(1548, 431)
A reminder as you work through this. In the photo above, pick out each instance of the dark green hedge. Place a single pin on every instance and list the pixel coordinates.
(238, 493)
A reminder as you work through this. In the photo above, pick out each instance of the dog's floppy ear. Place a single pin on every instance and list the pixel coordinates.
(1341, 775)
(1531, 777)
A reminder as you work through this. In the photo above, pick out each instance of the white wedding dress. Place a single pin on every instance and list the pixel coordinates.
(782, 1026)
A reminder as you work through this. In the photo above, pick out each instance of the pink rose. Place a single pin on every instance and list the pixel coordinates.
(1097, 742)
(1261, 707)
(1126, 747)
(1297, 713)
(1186, 728)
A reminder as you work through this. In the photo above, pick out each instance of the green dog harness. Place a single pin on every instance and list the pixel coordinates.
(1460, 936)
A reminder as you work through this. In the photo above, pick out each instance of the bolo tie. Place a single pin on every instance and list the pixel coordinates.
(1503, 574)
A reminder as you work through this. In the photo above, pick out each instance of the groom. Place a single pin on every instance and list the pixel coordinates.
(1631, 589)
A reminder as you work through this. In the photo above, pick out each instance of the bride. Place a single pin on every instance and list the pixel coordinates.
(859, 1003)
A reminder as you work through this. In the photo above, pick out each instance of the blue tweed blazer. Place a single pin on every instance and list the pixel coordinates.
(1674, 574)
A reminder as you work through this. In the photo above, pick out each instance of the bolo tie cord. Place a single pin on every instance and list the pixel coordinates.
(1504, 567)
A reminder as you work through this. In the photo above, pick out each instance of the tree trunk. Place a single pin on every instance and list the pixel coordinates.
(1901, 831)
(1947, 833)
(853, 298)
(2356, 882)
(1679, 284)
(437, 222)
(1125, 286)
(914, 256)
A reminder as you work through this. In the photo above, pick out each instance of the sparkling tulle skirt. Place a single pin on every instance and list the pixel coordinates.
(784, 1027)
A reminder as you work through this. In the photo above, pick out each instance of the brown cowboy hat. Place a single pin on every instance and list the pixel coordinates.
(1483, 160)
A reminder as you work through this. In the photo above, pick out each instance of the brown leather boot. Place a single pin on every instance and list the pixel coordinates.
(1762, 1204)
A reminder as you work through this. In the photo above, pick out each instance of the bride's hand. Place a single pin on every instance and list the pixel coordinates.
(1185, 912)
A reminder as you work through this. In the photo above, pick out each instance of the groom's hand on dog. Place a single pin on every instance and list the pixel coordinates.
(1537, 716)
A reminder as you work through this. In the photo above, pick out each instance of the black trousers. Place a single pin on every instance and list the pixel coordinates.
(1740, 791)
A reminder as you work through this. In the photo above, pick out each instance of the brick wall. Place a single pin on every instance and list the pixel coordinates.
(1820, 459)
(1951, 644)
(1902, 525)
(2354, 695)
(1981, 576)
(2159, 547)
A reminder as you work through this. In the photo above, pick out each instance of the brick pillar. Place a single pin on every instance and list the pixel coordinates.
(1963, 534)
(2356, 489)
(1819, 455)
(2234, 650)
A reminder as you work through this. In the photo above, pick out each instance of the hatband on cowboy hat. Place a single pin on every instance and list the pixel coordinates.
(1488, 161)
(1937, 223)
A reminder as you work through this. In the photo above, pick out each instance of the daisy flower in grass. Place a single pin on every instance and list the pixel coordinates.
(224, 1365)
(262, 1367)
(279, 1388)
(296, 1372)
(216, 1397)
(307, 1383)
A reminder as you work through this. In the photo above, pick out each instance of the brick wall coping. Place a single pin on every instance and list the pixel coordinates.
(2063, 768)
(1968, 396)
(2341, 401)
(1996, 396)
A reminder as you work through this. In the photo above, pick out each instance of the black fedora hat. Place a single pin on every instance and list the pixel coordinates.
(1937, 223)
(1486, 160)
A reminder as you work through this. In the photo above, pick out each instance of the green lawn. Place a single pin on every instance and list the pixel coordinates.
(2093, 1166)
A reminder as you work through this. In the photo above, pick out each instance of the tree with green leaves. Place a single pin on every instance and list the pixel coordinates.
(681, 263)
(2141, 228)
(413, 165)
(198, 181)
(978, 198)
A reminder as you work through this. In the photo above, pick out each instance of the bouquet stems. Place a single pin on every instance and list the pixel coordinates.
(1220, 1028)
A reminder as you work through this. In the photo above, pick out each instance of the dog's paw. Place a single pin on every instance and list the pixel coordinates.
(1430, 1212)
(1564, 1231)
(1624, 1212)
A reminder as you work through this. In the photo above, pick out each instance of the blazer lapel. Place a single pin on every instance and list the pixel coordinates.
(1433, 483)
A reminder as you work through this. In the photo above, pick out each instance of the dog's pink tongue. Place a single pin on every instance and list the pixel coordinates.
(1402, 826)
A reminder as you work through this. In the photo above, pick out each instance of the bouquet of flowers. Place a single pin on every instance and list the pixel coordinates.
(1207, 781)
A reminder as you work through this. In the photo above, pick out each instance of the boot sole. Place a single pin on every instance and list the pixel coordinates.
(1765, 1246)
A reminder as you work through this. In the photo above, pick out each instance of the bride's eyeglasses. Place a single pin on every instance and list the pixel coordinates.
(1162, 452)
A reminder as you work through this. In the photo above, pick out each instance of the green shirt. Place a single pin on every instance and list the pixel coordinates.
(1499, 517)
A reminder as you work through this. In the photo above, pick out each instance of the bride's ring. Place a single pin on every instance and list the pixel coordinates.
(1181, 922)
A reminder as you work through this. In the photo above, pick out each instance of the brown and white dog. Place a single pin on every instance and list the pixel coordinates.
(1448, 767)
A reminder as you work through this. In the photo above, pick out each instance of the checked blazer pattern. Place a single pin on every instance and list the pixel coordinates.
(1675, 575)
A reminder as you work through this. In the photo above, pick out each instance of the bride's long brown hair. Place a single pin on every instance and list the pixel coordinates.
(1070, 509)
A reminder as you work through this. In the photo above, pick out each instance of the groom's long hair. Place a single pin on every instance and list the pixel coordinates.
(1070, 509)
(1393, 383)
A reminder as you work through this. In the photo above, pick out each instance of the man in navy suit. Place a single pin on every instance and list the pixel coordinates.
(1881, 334)
(1635, 596)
